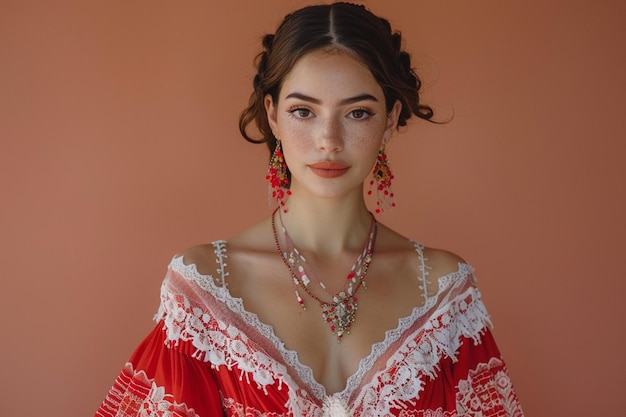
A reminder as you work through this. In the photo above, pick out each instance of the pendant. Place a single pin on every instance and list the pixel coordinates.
(340, 315)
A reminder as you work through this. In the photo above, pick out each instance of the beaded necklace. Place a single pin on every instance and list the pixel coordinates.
(339, 313)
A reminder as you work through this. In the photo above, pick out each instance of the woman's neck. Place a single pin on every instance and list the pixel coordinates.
(327, 227)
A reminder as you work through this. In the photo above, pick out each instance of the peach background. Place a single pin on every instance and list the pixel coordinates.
(119, 147)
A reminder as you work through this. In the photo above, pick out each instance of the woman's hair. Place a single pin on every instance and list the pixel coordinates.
(346, 26)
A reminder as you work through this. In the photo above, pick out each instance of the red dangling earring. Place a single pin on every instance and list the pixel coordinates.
(277, 176)
(382, 177)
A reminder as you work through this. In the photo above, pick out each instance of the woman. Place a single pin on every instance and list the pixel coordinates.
(319, 309)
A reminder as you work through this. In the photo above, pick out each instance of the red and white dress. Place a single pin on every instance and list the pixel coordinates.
(208, 356)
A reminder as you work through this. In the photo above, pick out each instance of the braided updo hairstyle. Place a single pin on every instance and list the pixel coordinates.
(346, 26)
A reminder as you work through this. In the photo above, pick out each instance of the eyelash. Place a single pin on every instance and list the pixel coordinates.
(293, 110)
(366, 112)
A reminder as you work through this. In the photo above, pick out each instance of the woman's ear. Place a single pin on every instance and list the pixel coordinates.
(394, 115)
(392, 121)
(272, 113)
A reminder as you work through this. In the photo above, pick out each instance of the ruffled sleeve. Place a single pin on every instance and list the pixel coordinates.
(163, 379)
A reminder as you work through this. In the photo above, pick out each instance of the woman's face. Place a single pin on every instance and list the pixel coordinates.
(331, 119)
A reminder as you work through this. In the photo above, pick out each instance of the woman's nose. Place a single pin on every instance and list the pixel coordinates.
(331, 136)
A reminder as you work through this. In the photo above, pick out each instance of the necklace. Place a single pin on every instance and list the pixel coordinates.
(339, 313)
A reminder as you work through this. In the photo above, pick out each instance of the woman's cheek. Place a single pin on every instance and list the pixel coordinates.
(298, 135)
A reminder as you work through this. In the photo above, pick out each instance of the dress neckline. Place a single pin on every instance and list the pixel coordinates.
(290, 357)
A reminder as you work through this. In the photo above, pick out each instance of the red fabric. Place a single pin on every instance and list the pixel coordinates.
(203, 359)
(152, 365)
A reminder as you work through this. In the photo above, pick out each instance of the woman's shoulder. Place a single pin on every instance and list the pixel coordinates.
(212, 257)
(441, 262)
(441, 268)
(204, 256)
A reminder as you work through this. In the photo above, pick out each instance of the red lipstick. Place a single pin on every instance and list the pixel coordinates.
(329, 169)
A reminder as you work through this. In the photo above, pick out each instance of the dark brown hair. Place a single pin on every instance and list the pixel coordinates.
(346, 26)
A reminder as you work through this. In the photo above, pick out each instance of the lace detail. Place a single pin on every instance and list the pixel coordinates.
(391, 336)
(175, 321)
(427, 413)
(135, 395)
(220, 259)
(424, 270)
(403, 379)
(487, 392)
(335, 407)
(221, 343)
(216, 341)
(236, 409)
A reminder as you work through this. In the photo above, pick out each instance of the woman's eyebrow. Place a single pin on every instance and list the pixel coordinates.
(349, 100)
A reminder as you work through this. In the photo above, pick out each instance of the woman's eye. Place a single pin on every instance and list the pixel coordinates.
(360, 114)
(301, 113)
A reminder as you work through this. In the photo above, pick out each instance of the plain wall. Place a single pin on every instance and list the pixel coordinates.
(119, 147)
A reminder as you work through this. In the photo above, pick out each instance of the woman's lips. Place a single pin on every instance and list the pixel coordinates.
(328, 169)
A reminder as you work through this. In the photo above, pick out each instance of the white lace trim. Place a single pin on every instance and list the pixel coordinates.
(427, 413)
(216, 341)
(487, 391)
(135, 395)
(418, 357)
(236, 409)
(233, 408)
(222, 344)
(424, 270)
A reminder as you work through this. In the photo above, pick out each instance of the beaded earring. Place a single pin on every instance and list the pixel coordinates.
(381, 180)
(277, 176)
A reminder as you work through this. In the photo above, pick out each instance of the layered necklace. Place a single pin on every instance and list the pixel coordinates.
(340, 312)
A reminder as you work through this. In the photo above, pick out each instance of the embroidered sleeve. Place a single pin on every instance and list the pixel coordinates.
(135, 394)
(163, 379)
(484, 388)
